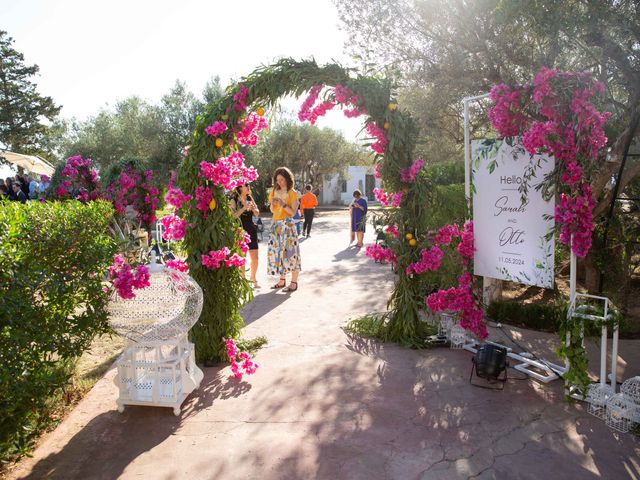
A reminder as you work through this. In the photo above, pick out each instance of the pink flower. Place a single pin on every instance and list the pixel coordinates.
(575, 214)
(409, 174)
(506, 114)
(430, 260)
(343, 96)
(215, 258)
(142, 277)
(446, 234)
(381, 196)
(380, 136)
(542, 88)
(461, 299)
(233, 354)
(376, 170)
(78, 180)
(396, 198)
(133, 189)
(386, 199)
(253, 124)
(240, 98)
(203, 197)
(235, 260)
(380, 254)
(573, 133)
(126, 181)
(179, 265)
(465, 247)
(124, 280)
(572, 174)
(69, 171)
(174, 227)
(176, 198)
(228, 172)
(319, 111)
(243, 241)
(393, 230)
(216, 128)
(305, 110)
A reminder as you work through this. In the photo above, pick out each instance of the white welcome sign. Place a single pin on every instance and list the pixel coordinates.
(512, 221)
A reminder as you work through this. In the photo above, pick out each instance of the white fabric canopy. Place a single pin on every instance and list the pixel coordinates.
(30, 163)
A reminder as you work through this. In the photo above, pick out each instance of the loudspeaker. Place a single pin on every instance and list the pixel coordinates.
(489, 362)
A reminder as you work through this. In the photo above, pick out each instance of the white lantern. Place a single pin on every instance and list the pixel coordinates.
(631, 388)
(622, 412)
(158, 365)
(597, 396)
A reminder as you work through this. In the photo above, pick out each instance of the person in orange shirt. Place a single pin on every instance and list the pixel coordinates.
(308, 204)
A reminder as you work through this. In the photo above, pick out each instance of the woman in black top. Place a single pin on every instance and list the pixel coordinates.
(244, 208)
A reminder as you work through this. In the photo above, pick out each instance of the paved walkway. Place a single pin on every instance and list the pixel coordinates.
(325, 405)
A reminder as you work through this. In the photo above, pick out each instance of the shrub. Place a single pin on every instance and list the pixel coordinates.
(549, 317)
(447, 173)
(52, 256)
(545, 317)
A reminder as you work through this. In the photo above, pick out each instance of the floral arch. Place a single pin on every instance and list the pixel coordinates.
(214, 163)
(554, 114)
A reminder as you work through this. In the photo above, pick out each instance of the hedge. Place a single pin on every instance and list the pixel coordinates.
(52, 261)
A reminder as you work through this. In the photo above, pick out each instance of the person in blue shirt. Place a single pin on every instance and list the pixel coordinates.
(358, 213)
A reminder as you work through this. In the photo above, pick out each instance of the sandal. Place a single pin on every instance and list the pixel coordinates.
(254, 283)
(280, 284)
(290, 288)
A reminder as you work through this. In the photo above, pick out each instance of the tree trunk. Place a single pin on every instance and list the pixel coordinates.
(611, 168)
(591, 274)
(491, 290)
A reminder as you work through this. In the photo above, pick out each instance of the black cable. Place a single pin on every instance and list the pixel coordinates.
(499, 326)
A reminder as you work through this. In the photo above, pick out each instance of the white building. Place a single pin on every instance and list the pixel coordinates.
(337, 188)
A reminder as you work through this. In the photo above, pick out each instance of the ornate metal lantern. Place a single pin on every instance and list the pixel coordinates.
(158, 365)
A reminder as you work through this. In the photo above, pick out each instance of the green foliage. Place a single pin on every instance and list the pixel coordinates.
(620, 261)
(23, 110)
(444, 51)
(445, 206)
(252, 345)
(376, 325)
(448, 205)
(155, 134)
(113, 171)
(371, 325)
(310, 152)
(133, 129)
(574, 352)
(447, 173)
(545, 317)
(226, 289)
(52, 256)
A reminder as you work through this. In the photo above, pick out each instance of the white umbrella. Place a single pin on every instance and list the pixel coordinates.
(30, 163)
